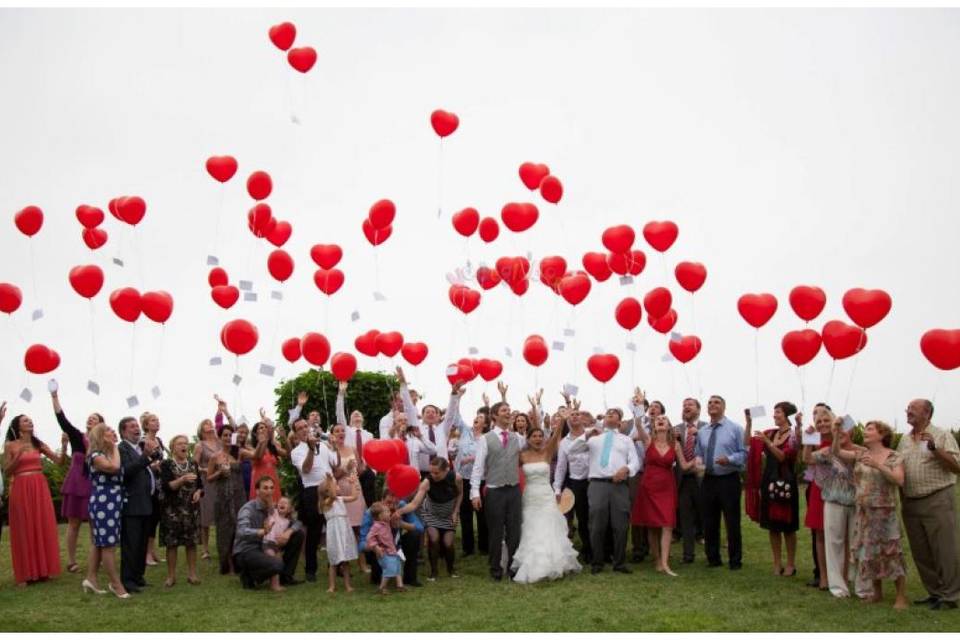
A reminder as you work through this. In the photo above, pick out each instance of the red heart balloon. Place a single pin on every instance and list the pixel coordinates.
(87, 280)
(94, 238)
(660, 235)
(390, 343)
(328, 281)
(383, 455)
(685, 349)
(551, 189)
(239, 337)
(280, 265)
(29, 220)
(259, 185)
(466, 221)
(596, 265)
(489, 230)
(402, 480)
(519, 216)
(842, 340)
(217, 277)
(279, 235)
(757, 308)
(225, 295)
(533, 174)
(638, 261)
(414, 352)
(513, 270)
(466, 370)
(866, 307)
(326, 255)
(520, 288)
(489, 369)
(443, 122)
(618, 239)
(40, 359)
(488, 278)
(157, 305)
(552, 269)
(464, 298)
(574, 288)
(376, 236)
(603, 366)
(657, 302)
(315, 348)
(343, 366)
(802, 346)
(126, 304)
(628, 313)
(291, 349)
(619, 263)
(89, 217)
(258, 219)
(381, 214)
(942, 348)
(665, 323)
(221, 168)
(807, 302)
(690, 275)
(535, 350)
(367, 343)
(112, 207)
(302, 58)
(131, 209)
(282, 35)
(10, 297)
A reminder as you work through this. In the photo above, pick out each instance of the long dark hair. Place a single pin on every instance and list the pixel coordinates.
(253, 439)
(13, 432)
(234, 448)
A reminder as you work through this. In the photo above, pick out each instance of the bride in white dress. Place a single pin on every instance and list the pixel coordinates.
(545, 551)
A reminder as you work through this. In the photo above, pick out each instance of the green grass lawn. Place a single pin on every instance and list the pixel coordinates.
(700, 599)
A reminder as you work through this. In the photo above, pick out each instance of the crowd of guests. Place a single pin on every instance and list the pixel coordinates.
(642, 481)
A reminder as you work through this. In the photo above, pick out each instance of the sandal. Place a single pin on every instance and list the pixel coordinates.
(73, 567)
(169, 583)
(205, 555)
(788, 575)
(193, 581)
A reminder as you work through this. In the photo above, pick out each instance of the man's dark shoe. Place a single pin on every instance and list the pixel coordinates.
(132, 588)
(623, 569)
(688, 561)
(927, 600)
(595, 569)
(496, 576)
(289, 582)
(814, 582)
(310, 577)
(942, 605)
(414, 584)
(714, 564)
(736, 567)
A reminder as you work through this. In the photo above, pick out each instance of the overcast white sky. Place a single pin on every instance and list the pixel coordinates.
(791, 147)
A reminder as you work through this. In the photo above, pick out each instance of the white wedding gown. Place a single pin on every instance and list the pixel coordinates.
(545, 551)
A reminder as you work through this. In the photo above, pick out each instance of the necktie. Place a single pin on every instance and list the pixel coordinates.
(689, 447)
(711, 445)
(433, 438)
(607, 448)
(503, 439)
(360, 466)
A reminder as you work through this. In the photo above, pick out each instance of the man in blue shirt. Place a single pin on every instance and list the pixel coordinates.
(720, 447)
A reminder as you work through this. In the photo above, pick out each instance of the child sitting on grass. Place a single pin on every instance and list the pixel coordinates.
(380, 541)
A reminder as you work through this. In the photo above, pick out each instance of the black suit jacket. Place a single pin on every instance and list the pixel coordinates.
(136, 480)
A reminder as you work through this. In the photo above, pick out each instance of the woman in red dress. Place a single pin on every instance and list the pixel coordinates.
(656, 504)
(264, 452)
(33, 526)
(823, 419)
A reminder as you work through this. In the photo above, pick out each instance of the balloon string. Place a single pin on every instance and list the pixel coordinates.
(93, 338)
(159, 367)
(936, 390)
(756, 362)
(376, 267)
(803, 395)
(440, 180)
(276, 325)
(139, 256)
(216, 232)
(237, 396)
(133, 351)
(686, 377)
(830, 381)
(853, 372)
(693, 313)
(33, 273)
(16, 329)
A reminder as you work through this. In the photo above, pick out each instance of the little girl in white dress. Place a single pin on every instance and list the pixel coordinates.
(341, 543)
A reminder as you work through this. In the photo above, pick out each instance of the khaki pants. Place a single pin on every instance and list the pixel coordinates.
(931, 524)
(838, 523)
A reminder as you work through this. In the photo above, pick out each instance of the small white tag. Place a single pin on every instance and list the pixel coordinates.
(667, 357)
(507, 351)
(216, 361)
(598, 350)
(25, 395)
(233, 439)
(276, 295)
(118, 262)
(848, 423)
(93, 387)
(632, 346)
(452, 370)
(267, 370)
(439, 213)
(213, 261)
(132, 402)
(249, 296)
(237, 380)
(245, 285)
(52, 385)
(473, 351)
(294, 119)
(758, 411)
(354, 316)
(37, 314)
(569, 333)
(379, 297)
(675, 337)
(626, 280)
(155, 392)
(451, 278)
(570, 389)
(557, 345)
(812, 439)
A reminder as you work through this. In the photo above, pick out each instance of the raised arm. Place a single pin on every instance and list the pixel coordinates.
(553, 444)
(341, 403)
(76, 438)
(408, 407)
(747, 427)
(453, 406)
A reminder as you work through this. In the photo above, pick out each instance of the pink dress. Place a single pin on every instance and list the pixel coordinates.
(34, 546)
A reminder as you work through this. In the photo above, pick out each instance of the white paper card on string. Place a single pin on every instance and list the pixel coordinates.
(439, 213)
(569, 333)
(631, 346)
(675, 337)
(557, 345)
(155, 392)
(237, 380)
(245, 285)
(294, 119)
(667, 357)
(93, 387)
(379, 297)
(598, 350)
(758, 411)
(52, 385)
(132, 402)
(267, 370)
(626, 280)
(276, 295)
(848, 423)
(118, 262)
(25, 395)
(812, 439)
(213, 261)
(249, 296)
(452, 370)
(354, 316)
(570, 389)
(243, 420)
(473, 351)
(216, 361)
(37, 314)
(451, 278)
(507, 351)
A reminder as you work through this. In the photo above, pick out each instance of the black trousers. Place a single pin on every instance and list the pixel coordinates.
(504, 512)
(133, 550)
(688, 512)
(467, 514)
(255, 566)
(410, 543)
(312, 521)
(581, 509)
(368, 486)
(721, 495)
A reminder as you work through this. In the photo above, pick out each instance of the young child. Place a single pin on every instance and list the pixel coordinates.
(380, 541)
(341, 543)
(278, 521)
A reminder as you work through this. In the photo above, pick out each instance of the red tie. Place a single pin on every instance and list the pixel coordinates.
(503, 439)
(433, 438)
(359, 451)
(689, 446)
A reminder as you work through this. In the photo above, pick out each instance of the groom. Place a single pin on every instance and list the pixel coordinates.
(497, 462)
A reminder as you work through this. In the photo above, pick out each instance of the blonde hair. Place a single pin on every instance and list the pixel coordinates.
(145, 418)
(200, 427)
(327, 493)
(97, 438)
(174, 440)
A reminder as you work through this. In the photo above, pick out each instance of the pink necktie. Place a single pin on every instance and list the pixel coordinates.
(503, 439)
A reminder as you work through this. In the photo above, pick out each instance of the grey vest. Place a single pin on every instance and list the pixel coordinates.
(502, 464)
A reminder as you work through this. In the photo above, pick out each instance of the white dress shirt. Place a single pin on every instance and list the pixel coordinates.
(323, 462)
(577, 463)
(480, 460)
(441, 432)
(419, 451)
(622, 454)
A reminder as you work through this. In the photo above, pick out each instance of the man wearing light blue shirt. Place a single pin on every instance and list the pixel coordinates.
(720, 447)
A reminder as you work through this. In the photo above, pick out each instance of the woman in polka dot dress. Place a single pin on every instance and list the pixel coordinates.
(106, 505)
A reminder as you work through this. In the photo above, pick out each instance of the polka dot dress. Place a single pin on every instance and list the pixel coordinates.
(106, 505)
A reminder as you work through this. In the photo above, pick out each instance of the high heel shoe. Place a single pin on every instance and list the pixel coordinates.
(88, 588)
(124, 596)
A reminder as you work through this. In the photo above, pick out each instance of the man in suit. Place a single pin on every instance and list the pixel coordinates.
(138, 483)
(689, 517)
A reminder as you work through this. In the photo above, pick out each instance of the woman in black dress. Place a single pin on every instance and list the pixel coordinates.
(441, 511)
(180, 520)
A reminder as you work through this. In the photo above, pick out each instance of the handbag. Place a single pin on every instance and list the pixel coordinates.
(780, 490)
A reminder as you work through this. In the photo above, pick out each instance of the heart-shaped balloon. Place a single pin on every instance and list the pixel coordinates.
(40, 359)
(89, 216)
(402, 480)
(280, 265)
(443, 122)
(126, 304)
(638, 261)
(367, 343)
(381, 214)
(596, 265)
(217, 277)
(628, 313)
(489, 369)
(29, 220)
(279, 235)
(757, 308)
(414, 352)
(390, 343)
(328, 281)
(259, 185)
(258, 219)
(535, 350)
(657, 302)
(532, 174)
(488, 278)
(574, 288)
(221, 168)
(291, 349)
(302, 58)
(87, 280)
(383, 455)
(519, 216)
(466, 369)
(618, 239)
(551, 189)
(802, 346)
(239, 336)
(603, 366)
(225, 295)
(466, 221)
(619, 263)
(10, 297)
(343, 366)
(942, 348)
(866, 307)
(131, 209)
(807, 302)
(375, 236)
(94, 238)
(842, 340)
(665, 323)
(282, 35)
(464, 298)
(326, 255)
(690, 275)
(520, 287)
(660, 234)
(552, 269)
(489, 230)
(157, 305)
(315, 348)
(513, 270)
(685, 349)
